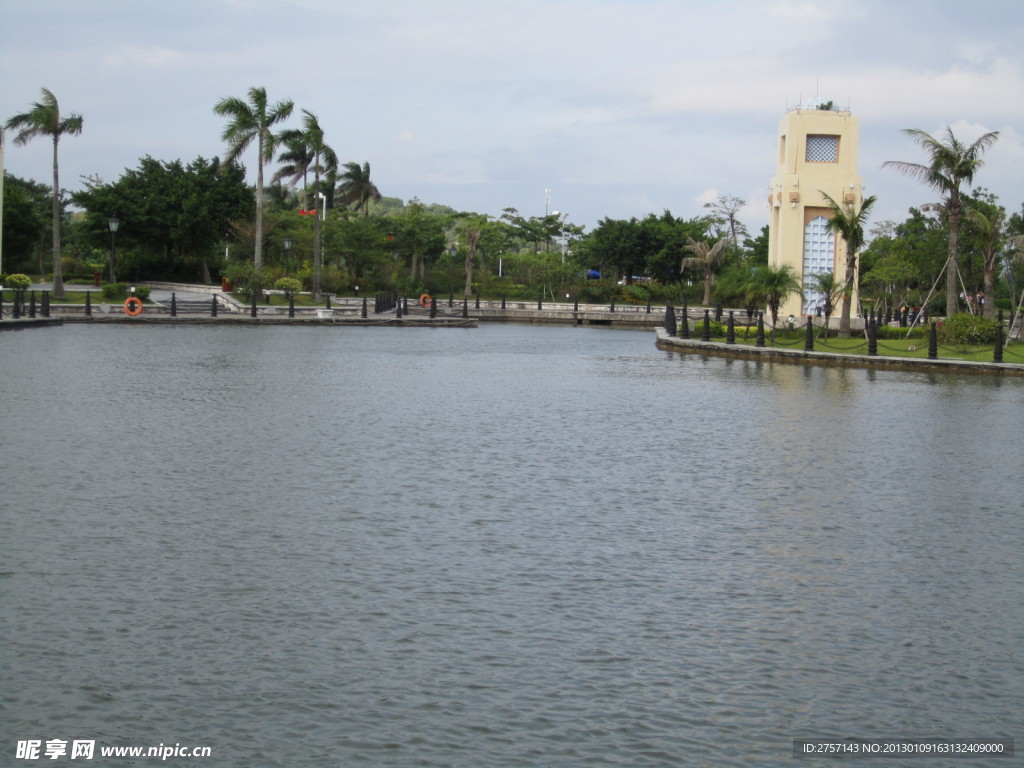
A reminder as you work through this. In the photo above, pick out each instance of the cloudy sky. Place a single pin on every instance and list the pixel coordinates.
(618, 107)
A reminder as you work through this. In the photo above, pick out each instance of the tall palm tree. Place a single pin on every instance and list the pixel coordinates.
(951, 164)
(706, 257)
(297, 159)
(324, 161)
(356, 187)
(44, 119)
(250, 121)
(847, 222)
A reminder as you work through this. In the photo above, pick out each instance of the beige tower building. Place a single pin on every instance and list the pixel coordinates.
(817, 153)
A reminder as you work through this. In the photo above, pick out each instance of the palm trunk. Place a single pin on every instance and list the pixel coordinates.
(844, 314)
(58, 277)
(258, 250)
(468, 291)
(989, 279)
(952, 306)
(707, 287)
(317, 256)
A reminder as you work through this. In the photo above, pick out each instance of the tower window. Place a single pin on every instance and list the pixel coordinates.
(822, 149)
(819, 257)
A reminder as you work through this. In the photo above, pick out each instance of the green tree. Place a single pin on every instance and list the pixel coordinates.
(951, 164)
(297, 158)
(826, 284)
(324, 161)
(847, 222)
(249, 121)
(174, 217)
(775, 284)
(356, 187)
(708, 258)
(44, 119)
(26, 214)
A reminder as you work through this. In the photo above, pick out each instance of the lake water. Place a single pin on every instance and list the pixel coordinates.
(503, 546)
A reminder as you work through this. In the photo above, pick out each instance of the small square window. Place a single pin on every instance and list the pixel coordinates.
(822, 149)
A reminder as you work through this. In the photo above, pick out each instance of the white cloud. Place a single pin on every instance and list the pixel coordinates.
(625, 107)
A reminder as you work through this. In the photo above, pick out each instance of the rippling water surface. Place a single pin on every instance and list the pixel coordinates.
(504, 546)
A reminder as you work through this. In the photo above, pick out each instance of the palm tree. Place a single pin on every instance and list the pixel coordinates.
(297, 159)
(248, 121)
(44, 119)
(990, 228)
(706, 257)
(951, 163)
(775, 284)
(324, 161)
(357, 188)
(848, 223)
(830, 289)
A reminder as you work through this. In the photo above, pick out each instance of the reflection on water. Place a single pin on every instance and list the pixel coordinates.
(501, 546)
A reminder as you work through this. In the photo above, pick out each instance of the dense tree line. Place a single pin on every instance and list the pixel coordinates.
(325, 223)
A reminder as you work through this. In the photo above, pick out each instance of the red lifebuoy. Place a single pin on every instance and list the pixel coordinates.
(425, 300)
(133, 306)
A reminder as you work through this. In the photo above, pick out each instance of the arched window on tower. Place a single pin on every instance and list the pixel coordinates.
(819, 258)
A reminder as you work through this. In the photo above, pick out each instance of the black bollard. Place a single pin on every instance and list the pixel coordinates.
(465, 307)
(760, 330)
(809, 336)
(707, 326)
(15, 312)
(213, 307)
(433, 307)
(540, 301)
(997, 353)
(1, 304)
(252, 311)
(730, 332)
(502, 302)
(174, 306)
(648, 305)
(718, 312)
(32, 306)
(872, 338)
(46, 304)
(478, 301)
(933, 343)
(613, 304)
(328, 305)
(364, 308)
(670, 319)
(88, 304)
(291, 304)
(576, 305)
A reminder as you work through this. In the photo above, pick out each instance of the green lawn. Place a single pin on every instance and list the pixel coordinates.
(915, 347)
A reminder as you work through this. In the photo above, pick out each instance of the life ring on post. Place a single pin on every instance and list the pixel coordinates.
(133, 306)
(425, 300)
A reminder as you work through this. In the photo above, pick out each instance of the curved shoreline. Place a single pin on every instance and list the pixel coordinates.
(831, 359)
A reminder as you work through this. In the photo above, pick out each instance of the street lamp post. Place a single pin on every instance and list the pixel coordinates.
(113, 223)
(288, 254)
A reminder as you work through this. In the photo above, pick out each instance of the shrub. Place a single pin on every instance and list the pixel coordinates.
(115, 291)
(963, 329)
(288, 285)
(19, 282)
(919, 331)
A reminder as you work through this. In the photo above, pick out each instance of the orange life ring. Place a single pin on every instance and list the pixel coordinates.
(425, 300)
(132, 306)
